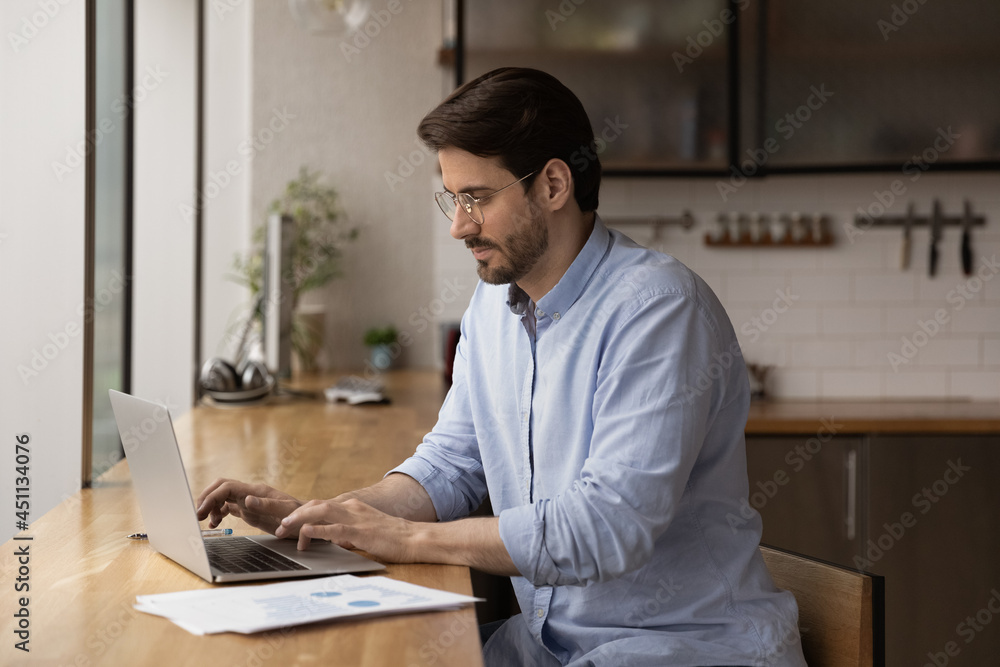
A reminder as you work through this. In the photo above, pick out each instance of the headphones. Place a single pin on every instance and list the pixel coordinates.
(247, 379)
(218, 375)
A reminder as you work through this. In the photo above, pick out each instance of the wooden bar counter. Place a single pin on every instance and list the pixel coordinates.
(85, 574)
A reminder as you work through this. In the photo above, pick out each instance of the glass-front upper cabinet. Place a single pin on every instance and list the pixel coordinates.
(652, 74)
(694, 86)
(857, 83)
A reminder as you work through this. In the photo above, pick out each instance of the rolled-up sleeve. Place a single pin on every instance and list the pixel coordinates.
(447, 463)
(648, 429)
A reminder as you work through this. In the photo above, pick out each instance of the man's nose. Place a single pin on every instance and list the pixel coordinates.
(462, 225)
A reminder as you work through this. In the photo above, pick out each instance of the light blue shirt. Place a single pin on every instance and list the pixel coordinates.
(606, 424)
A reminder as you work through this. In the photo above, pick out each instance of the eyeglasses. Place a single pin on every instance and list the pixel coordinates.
(449, 202)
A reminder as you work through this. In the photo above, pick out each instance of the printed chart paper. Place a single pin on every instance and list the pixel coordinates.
(249, 609)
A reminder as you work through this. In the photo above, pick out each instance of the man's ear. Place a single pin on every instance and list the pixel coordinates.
(555, 185)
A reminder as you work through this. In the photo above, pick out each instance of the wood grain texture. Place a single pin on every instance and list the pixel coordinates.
(875, 416)
(835, 608)
(84, 573)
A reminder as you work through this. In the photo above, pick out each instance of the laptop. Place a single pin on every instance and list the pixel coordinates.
(171, 522)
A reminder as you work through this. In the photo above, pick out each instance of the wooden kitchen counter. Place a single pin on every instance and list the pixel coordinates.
(874, 416)
(85, 575)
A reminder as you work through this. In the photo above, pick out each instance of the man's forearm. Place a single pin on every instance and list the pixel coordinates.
(474, 542)
(399, 495)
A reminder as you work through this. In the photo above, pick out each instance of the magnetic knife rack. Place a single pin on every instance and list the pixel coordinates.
(967, 219)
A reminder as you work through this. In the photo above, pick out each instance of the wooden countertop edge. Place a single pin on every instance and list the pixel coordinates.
(780, 426)
(876, 416)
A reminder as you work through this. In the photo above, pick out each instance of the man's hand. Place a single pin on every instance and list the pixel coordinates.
(353, 524)
(258, 504)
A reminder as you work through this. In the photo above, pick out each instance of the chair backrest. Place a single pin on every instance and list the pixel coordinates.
(841, 611)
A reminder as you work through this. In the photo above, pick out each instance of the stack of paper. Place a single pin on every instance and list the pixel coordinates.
(250, 609)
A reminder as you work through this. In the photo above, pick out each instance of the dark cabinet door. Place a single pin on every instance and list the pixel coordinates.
(653, 75)
(904, 85)
(810, 493)
(935, 535)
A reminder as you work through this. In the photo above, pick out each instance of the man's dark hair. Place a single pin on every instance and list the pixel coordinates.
(526, 118)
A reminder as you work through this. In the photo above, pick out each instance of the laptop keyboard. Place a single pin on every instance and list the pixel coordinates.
(235, 555)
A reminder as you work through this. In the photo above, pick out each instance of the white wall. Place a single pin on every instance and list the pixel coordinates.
(226, 208)
(354, 115)
(163, 243)
(41, 248)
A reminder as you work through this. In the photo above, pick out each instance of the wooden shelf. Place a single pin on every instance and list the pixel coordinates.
(768, 242)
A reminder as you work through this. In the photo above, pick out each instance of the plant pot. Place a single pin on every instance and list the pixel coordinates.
(307, 337)
(381, 356)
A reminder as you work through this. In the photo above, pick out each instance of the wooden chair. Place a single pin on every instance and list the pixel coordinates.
(841, 611)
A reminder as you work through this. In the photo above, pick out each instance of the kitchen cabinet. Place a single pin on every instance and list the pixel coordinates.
(652, 74)
(921, 510)
(942, 567)
(906, 85)
(808, 492)
(738, 88)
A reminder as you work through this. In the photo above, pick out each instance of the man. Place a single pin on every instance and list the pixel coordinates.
(599, 398)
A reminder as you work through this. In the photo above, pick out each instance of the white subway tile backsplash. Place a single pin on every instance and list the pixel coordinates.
(983, 319)
(797, 320)
(870, 288)
(991, 352)
(866, 253)
(850, 384)
(916, 384)
(984, 385)
(941, 290)
(907, 319)
(618, 200)
(950, 352)
(706, 195)
(856, 320)
(755, 288)
(765, 353)
(660, 196)
(792, 383)
(874, 353)
(991, 292)
(821, 353)
(802, 259)
(788, 196)
(821, 289)
(710, 258)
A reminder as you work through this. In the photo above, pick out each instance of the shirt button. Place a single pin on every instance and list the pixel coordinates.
(556, 316)
(540, 613)
(539, 313)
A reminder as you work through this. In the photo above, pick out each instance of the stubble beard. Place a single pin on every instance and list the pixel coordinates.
(521, 249)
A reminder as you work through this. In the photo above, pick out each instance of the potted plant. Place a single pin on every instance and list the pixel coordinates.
(381, 341)
(320, 232)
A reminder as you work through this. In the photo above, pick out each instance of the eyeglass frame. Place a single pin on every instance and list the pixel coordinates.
(475, 200)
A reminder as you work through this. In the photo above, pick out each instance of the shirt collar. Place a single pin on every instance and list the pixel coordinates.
(571, 285)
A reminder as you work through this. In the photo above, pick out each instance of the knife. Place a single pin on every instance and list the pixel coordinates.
(967, 239)
(904, 259)
(935, 237)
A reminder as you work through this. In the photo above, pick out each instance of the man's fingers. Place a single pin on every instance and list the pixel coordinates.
(311, 512)
(337, 533)
(215, 496)
(270, 505)
(210, 490)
